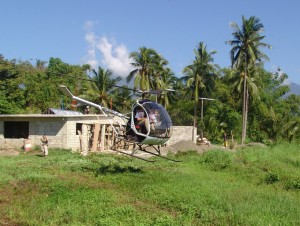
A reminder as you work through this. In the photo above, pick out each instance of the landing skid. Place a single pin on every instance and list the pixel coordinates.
(134, 156)
(140, 148)
(158, 154)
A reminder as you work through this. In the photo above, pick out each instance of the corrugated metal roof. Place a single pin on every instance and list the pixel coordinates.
(55, 111)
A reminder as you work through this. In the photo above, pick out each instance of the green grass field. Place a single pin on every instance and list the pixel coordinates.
(252, 186)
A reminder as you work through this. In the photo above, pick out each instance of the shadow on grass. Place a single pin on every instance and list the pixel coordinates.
(115, 169)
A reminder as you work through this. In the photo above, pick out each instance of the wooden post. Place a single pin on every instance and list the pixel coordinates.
(80, 140)
(85, 139)
(107, 137)
(103, 128)
(96, 137)
(112, 137)
(194, 135)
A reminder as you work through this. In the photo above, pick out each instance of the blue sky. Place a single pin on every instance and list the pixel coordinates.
(104, 32)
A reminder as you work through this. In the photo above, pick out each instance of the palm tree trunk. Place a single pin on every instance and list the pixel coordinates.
(195, 110)
(202, 119)
(244, 114)
(195, 123)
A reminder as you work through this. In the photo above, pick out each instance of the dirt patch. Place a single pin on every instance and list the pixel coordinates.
(186, 146)
(9, 152)
(7, 149)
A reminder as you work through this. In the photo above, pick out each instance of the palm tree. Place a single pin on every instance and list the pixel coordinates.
(159, 68)
(144, 63)
(246, 54)
(123, 99)
(200, 75)
(40, 64)
(236, 82)
(102, 85)
(166, 81)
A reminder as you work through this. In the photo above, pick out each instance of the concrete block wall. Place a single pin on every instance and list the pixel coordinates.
(1, 129)
(54, 129)
(37, 128)
(72, 140)
(181, 133)
(61, 132)
(11, 143)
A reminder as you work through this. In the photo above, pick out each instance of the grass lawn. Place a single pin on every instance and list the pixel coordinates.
(252, 186)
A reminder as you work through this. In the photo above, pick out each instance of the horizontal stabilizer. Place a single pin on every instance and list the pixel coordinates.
(65, 90)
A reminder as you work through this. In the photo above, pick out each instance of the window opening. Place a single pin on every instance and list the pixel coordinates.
(78, 128)
(16, 129)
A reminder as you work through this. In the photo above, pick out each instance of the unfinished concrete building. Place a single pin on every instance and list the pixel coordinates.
(68, 130)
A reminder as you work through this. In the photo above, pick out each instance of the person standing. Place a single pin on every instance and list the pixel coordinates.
(44, 141)
(86, 110)
(225, 139)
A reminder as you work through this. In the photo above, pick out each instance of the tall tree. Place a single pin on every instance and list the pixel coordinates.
(8, 73)
(144, 63)
(277, 112)
(165, 81)
(102, 85)
(200, 75)
(122, 99)
(158, 71)
(246, 54)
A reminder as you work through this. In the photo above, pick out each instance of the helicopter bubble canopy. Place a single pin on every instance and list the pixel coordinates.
(157, 124)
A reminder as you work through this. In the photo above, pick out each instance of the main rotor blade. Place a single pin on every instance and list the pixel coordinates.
(142, 92)
(205, 98)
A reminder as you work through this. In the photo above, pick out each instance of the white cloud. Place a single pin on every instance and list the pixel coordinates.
(90, 58)
(113, 56)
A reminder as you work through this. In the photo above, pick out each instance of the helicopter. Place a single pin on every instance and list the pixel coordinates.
(148, 125)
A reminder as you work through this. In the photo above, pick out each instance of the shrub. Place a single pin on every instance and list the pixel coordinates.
(292, 184)
(217, 160)
(271, 178)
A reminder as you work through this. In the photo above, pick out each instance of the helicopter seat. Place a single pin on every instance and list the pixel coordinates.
(141, 129)
(138, 128)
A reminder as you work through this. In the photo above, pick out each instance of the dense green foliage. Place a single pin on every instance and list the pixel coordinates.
(252, 186)
(267, 113)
